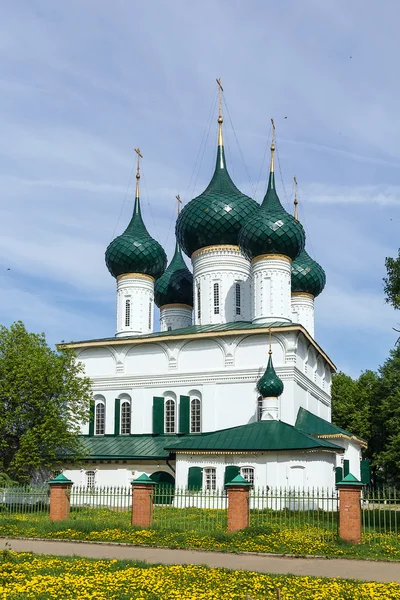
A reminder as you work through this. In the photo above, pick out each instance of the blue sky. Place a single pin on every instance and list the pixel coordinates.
(83, 83)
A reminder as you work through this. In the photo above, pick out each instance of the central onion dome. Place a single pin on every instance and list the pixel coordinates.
(270, 385)
(175, 286)
(218, 214)
(307, 275)
(135, 251)
(271, 229)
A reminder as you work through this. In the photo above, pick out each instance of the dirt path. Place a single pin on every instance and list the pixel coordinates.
(321, 567)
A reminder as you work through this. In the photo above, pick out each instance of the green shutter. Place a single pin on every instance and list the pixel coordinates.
(91, 419)
(365, 471)
(184, 414)
(195, 478)
(158, 415)
(230, 473)
(338, 474)
(117, 416)
(346, 467)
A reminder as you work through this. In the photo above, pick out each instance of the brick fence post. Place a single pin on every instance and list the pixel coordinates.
(238, 504)
(142, 501)
(350, 509)
(60, 491)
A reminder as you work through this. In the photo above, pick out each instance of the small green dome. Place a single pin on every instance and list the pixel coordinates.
(307, 275)
(135, 251)
(270, 385)
(271, 229)
(175, 286)
(217, 215)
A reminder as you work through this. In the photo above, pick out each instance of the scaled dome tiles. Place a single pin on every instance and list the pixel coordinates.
(175, 286)
(307, 275)
(270, 385)
(217, 215)
(271, 229)
(135, 251)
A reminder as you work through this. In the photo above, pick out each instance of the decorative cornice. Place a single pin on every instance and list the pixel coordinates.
(352, 438)
(176, 306)
(135, 276)
(271, 257)
(305, 294)
(206, 249)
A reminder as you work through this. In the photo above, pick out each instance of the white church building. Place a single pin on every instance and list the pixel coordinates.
(232, 381)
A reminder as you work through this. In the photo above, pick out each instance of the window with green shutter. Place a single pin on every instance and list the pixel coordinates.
(230, 473)
(117, 410)
(184, 414)
(91, 419)
(346, 467)
(338, 474)
(195, 478)
(158, 415)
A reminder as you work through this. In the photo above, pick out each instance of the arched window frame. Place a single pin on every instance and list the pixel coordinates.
(198, 301)
(238, 299)
(150, 313)
(195, 415)
(127, 312)
(216, 298)
(259, 408)
(170, 415)
(90, 478)
(248, 473)
(100, 417)
(125, 417)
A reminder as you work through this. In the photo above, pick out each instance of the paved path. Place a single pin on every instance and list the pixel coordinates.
(321, 567)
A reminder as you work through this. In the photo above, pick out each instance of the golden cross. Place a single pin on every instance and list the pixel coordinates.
(220, 90)
(179, 203)
(139, 156)
(296, 202)
(273, 131)
(270, 342)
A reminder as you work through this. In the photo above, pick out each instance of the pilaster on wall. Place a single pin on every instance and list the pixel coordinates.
(227, 267)
(271, 278)
(303, 310)
(136, 291)
(175, 316)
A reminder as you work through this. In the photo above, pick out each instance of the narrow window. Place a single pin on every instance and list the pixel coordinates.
(237, 299)
(127, 313)
(195, 416)
(100, 420)
(150, 307)
(198, 302)
(169, 328)
(216, 298)
(125, 418)
(248, 474)
(169, 416)
(90, 479)
(210, 478)
(259, 408)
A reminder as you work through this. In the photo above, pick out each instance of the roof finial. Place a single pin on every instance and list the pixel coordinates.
(139, 156)
(179, 203)
(296, 202)
(220, 119)
(272, 146)
(270, 342)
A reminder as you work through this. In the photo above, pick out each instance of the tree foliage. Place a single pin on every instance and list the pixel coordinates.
(392, 281)
(44, 398)
(370, 407)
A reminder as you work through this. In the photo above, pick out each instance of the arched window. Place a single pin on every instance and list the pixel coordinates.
(127, 313)
(198, 302)
(248, 474)
(100, 418)
(90, 479)
(125, 417)
(195, 416)
(150, 311)
(238, 303)
(259, 408)
(216, 298)
(170, 416)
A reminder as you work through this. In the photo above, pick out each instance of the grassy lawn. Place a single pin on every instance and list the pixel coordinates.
(206, 529)
(24, 576)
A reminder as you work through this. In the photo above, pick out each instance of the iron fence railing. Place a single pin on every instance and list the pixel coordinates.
(25, 499)
(380, 509)
(100, 502)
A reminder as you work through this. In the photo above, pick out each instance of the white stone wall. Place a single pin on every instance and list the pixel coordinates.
(225, 266)
(303, 311)
(139, 291)
(175, 317)
(271, 278)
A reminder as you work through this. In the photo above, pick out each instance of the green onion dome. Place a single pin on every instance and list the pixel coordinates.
(307, 275)
(135, 251)
(175, 286)
(217, 215)
(271, 229)
(270, 385)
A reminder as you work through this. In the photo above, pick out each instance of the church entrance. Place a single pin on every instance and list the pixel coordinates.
(164, 489)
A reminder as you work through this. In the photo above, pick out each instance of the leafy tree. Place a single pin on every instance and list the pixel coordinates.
(44, 398)
(392, 281)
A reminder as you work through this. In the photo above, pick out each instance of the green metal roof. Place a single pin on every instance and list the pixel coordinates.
(314, 425)
(307, 275)
(175, 286)
(270, 385)
(259, 436)
(127, 447)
